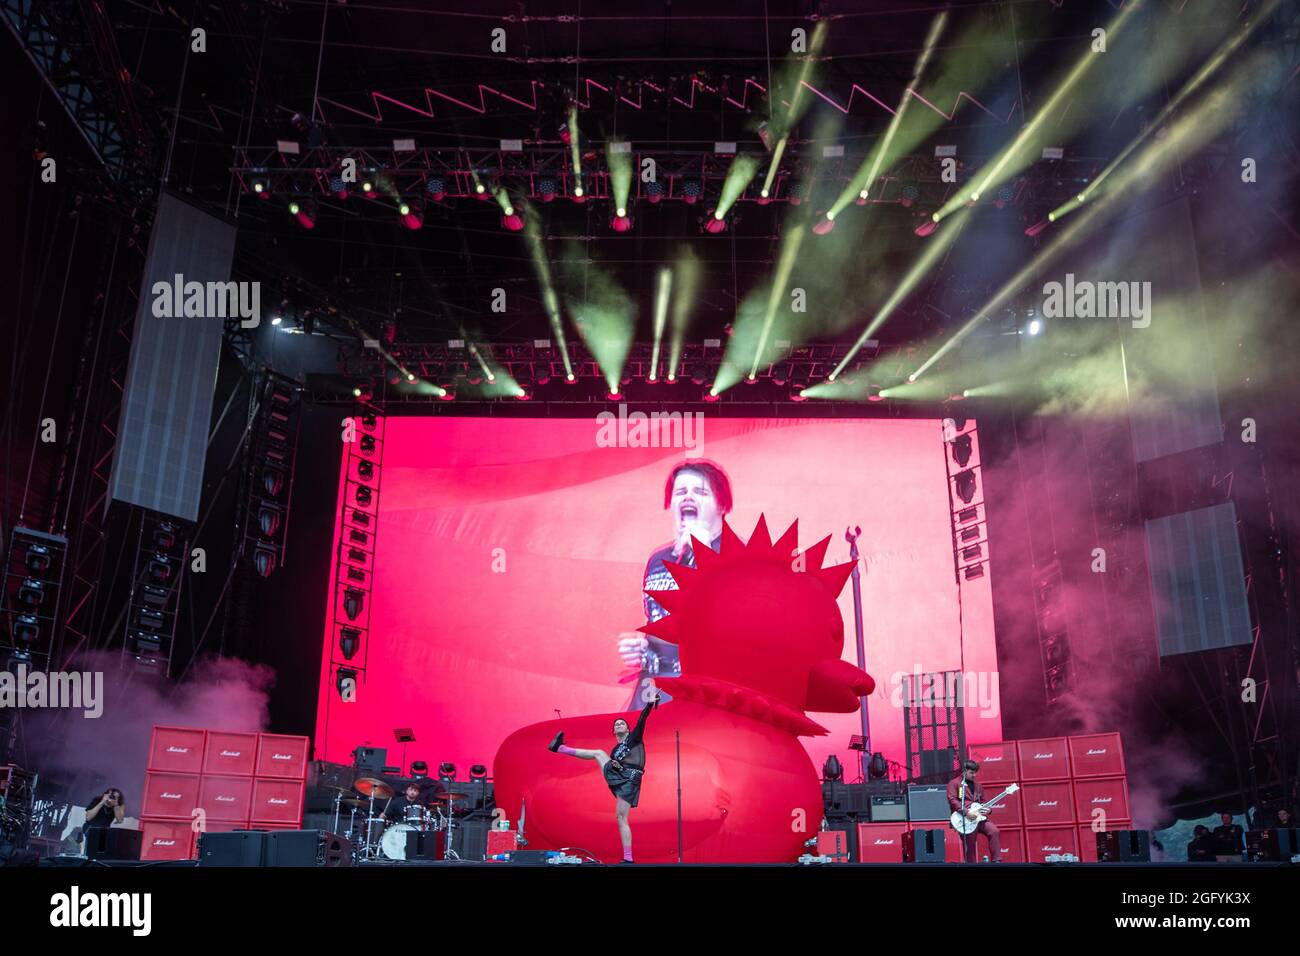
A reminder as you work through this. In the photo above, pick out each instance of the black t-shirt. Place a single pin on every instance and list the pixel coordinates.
(396, 809)
(1227, 839)
(106, 816)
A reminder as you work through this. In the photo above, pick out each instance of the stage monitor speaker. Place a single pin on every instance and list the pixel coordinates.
(1124, 846)
(929, 802)
(470, 839)
(369, 761)
(924, 846)
(838, 841)
(888, 809)
(424, 846)
(113, 843)
(305, 848)
(236, 848)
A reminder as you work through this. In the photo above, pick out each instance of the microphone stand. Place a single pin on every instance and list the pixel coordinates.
(852, 538)
(677, 734)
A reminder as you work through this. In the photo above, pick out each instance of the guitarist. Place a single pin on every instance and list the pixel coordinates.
(964, 794)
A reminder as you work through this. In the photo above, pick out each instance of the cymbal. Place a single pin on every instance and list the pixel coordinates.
(447, 796)
(372, 787)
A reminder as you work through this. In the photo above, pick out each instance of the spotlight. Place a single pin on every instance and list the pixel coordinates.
(965, 484)
(825, 225)
(272, 481)
(511, 221)
(264, 561)
(712, 395)
(261, 187)
(436, 189)
(304, 210)
(908, 195)
(349, 642)
(277, 319)
(795, 194)
(654, 192)
(961, 450)
(364, 496)
(478, 772)
(1005, 194)
(691, 193)
(1036, 228)
(345, 678)
(1035, 327)
(873, 394)
(354, 602)
(412, 214)
(578, 193)
(832, 769)
(546, 190)
(268, 519)
(37, 558)
(368, 185)
(338, 187)
(715, 223)
(620, 222)
(26, 629)
(926, 227)
(447, 770)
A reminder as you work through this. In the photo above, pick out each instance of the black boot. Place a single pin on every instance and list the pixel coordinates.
(555, 744)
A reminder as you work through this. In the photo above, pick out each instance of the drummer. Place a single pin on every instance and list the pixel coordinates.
(412, 796)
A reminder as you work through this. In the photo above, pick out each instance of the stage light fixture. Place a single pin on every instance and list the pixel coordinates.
(344, 678)
(367, 444)
(965, 485)
(304, 210)
(832, 769)
(164, 536)
(365, 470)
(973, 571)
(272, 481)
(419, 768)
(546, 190)
(268, 519)
(364, 496)
(37, 558)
(264, 560)
(447, 770)
(349, 642)
(1034, 327)
(261, 187)
(691, 192)
(654, 192)
(354, 602)
(961, 450)
(824, 225)
(794, 193)
(31, 593)
(478, 772)
(878, 768)
(927, 227)
(412, 213)
(511, 221)
(27, 629)
(715, 224)
(620, 222)
(338, 187)
(436, 189)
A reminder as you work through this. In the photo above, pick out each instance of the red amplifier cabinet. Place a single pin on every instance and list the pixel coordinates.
(1042, 842)
(231, 753)
(1108, 794)
(277, 801)
(880, 842)
(166, 840)
(1008, 812)
(1045, 759)
(226, 799)
(170, 796)
(1013, 844)
(1088, 838)
(177, 749)
(1048, 804)
(998, 762)
(1096, 755)
(282, 756)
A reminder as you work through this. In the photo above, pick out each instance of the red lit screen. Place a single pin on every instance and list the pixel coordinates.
(509, 556)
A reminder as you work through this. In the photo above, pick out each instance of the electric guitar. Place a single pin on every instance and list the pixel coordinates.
(964, 825)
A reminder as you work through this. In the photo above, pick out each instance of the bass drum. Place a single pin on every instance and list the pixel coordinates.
(393, 843)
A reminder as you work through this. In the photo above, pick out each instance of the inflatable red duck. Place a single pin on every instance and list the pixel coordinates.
(760, 637)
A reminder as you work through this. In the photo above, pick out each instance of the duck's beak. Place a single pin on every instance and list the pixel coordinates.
(835, 687)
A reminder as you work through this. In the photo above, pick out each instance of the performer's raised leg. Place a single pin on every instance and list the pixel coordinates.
(558, 746)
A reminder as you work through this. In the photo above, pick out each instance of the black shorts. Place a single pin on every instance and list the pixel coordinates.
(625, 783)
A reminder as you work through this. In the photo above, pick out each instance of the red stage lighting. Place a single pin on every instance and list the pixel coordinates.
(926, 227)
(620, 222)
(715, 225)
(824, 225)
(304, 210)
(412, 214)
(513, 222)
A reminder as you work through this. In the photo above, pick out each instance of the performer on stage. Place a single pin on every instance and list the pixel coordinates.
(106, 809)
(698, 496)
(622, 768)
(963, 791)
(411, 796)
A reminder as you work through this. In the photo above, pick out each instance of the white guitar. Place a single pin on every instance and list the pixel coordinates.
(964, 825)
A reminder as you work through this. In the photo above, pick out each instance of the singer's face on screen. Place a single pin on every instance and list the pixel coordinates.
(693, 502)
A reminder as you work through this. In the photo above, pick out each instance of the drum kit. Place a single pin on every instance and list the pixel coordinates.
(376, 837)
